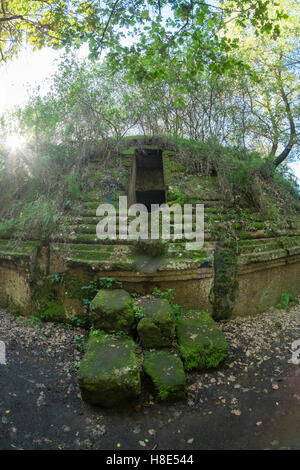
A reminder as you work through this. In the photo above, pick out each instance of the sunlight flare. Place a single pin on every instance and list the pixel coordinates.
(15, 142)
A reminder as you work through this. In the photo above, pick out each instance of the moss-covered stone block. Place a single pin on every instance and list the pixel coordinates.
(202, 344)
(166, 372)
(109, 371)
(156, 329)
(111, 310)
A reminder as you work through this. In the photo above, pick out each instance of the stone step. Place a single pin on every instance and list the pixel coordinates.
(97, 256)
(294, 250)
(255, 247)
(250, 243)
(95, 204)
(266, 235)
(272, 242)
(93, 239)
(88, 255)
(69, 248)
(90, 207)
(91, 224)
(83, 213)
(125, 257)
(93, 219)
(91, 228)
(87, 220)
(258, 257)
(18, 250)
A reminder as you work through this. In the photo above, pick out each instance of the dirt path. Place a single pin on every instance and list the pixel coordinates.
(252, 402)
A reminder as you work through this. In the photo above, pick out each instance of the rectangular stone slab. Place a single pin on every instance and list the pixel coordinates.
(109, 371)
(111, 310)
(156, 329)
(166, 372)
(202, 344)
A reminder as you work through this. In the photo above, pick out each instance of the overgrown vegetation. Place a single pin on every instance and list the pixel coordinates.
(246, 179)
(239, 125)
(287, 300)
(153, 248)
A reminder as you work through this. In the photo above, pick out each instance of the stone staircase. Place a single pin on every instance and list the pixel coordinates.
(76, 240)
(75, 250)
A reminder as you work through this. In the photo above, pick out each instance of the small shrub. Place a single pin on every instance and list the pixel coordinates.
(108, 282)
(37, 221)
(73, 188)
(80, 343)
(287, 300)
(90, 291)
(138, 311)
(120, 334)
(178, 197)
(95, 332)
(8, 227)
(168, 294)
(53, 312)
(31, 321)
(55, 278)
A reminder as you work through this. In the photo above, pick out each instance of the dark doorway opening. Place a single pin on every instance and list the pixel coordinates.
(150, 197)
(149, 159)
(150, 186)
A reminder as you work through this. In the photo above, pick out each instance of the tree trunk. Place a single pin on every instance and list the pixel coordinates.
(292, 139)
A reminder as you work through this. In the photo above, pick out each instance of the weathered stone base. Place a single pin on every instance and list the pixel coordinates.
(30, 280)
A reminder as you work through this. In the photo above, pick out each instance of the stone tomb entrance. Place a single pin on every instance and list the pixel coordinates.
(149, 183)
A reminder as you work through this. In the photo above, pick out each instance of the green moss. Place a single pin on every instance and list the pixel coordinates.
(43, 287)
(87, 238)
(109, 371)
(18, 250)
(172, 169)
(74, 283)
(156, 329)
(225, 279)
(90, 255)
(112, 310)
(91, 204)
(123, 266)
(198, 255)
(45, 296)
(50, 292)
(129, 151)
(53, 312)
(167, 374)
(87, 228)
(153, 248)
(201, 343)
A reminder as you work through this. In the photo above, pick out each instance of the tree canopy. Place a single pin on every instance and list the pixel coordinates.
(157, 29)
(198, 69)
